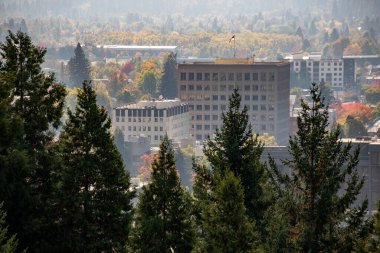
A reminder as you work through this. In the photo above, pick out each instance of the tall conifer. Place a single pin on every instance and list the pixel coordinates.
(79, 67)
(235, 147)
(163, 219)
(95, 190)
(319, 193)
(169, 77)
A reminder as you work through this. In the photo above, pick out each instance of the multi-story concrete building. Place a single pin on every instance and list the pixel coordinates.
(153, 119)
(264, 88)
(318, 69)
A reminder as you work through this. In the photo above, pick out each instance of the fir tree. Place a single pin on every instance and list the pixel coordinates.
(95, 190)
(225, 222)
(321, 214)
(32, 102)
(79, 67)
(235, 147)
(163, 220)
(169, 77)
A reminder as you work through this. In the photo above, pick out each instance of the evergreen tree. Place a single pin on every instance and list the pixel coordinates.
(169, 77)
(322, 185)
(7, 244)
(226, 224)
(95, 196)
(31, 106)
(163, 221)
(354, 127)
(235, 147)
(79, 67)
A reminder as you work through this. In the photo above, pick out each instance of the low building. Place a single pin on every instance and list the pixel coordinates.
(153, 119)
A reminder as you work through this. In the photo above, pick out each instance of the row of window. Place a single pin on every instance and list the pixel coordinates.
(223, 87)
(253, 117)
(139, 119)
(263, 128)
(263, 107)
(222, 76)
(297, 63)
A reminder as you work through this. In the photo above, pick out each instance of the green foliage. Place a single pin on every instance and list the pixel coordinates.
(31, 106)
(94, 193)
(7, 244)
(148, 83)
(225, 222)
(354, 127)
(168, 88)
(79, 67)
(321, 215)
(163, 221)
(236, 148)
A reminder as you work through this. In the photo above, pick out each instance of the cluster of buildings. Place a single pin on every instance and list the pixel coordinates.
(204, 87)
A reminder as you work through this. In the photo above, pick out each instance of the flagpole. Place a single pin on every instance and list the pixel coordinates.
(234, 48)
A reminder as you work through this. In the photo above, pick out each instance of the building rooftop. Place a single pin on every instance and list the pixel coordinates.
(158, 104)
(228, 61)
(137, 48)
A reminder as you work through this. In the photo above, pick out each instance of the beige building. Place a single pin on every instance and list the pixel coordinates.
(153, 119)
(264, 88)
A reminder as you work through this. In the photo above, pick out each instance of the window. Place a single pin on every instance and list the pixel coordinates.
(263, 107)
(271, 76)
(271, 107)
(161, 129)
(191, 87)
(183, 87)
(207, 117)
(246, 97)
(199, 117)
(263, 76)
(263, 117)
(255, 76)
(247, 87)
(214, 117)
(263, 87)
(207, 76)
(214, 127)
(198, 127)
(199, 76)
(207, 107)
(199, 107)
(223, 87)
(215, 76)
(215, 107)
(222, 76)
(231, 77)
(255, 97)
(255, 87)
(255, 107)
(239, 76)
(206, 87)
(129, 128)
(223, 97)
(271, 117)
(199, 87)
(183, 76)
(230, 87)
(223, 107)
(263, 127)
(247, 76)
(214, 87)
(207, 127)
(214, 97)
(263, 97)
(191, 76)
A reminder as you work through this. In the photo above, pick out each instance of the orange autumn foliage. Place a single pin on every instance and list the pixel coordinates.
(145, 167)
(354, 109)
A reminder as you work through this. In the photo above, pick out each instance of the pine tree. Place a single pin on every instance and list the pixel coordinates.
(235, 147)
(79, 67)
(169, 77)
(321, 213)
(95, 190)
(225, 222)
(163, 221)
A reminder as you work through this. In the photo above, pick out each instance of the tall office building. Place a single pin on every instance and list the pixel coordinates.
(263, 86)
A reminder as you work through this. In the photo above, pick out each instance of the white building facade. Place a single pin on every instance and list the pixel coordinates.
(329, 70)
(153, 119)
